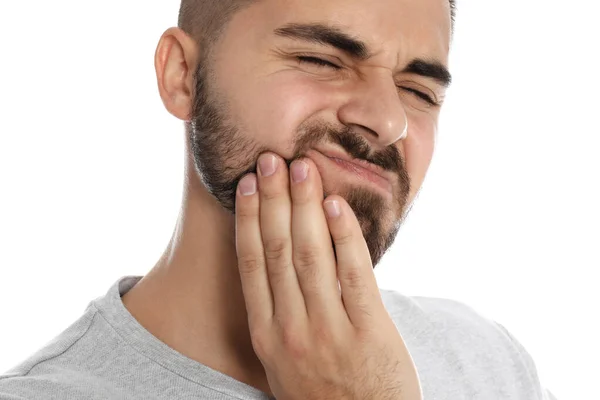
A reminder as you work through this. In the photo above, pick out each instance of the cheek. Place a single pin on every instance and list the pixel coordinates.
(418, 149)
(272, 109)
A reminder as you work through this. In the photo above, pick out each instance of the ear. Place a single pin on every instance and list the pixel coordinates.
(175, 63)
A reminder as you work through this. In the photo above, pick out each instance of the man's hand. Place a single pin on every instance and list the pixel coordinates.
(313, 341)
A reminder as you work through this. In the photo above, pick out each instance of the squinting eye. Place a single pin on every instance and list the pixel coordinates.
(421, 95)
(324, 63)
(317, 61)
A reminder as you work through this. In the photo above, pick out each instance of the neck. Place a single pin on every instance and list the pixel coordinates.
(192, 299)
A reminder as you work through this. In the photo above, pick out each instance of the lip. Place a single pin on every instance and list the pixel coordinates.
(359, 168)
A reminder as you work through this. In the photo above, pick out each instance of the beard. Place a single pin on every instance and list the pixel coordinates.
(223, 155)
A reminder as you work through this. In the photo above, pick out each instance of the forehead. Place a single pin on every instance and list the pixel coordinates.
(393, 29)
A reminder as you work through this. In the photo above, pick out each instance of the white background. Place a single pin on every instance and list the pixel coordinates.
(507, 221)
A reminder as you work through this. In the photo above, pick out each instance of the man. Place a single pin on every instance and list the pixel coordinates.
(311, 126)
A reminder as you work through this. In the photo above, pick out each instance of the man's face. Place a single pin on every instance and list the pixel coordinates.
(284, 78)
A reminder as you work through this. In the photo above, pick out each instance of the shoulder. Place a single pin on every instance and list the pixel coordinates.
(451, 323)
(454, 340)
(439, 313)
(54, 371)
(435, 312)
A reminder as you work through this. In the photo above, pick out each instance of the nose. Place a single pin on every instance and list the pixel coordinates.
(375, 109)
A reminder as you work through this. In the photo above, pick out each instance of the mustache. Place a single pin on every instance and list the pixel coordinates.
(389, 159)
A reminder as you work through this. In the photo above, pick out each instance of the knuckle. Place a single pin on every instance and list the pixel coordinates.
(249, 264)
(306, 256)
(343, 238)
(279, 273)
(293, 341)
(354, 280)
(275, 249)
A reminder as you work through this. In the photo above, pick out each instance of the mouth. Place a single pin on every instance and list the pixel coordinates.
(360, 170)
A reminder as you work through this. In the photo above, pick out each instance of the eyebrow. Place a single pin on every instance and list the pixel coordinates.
(357, 49)
(430, 69)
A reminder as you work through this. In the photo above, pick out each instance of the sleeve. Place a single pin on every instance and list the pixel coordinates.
(530, 365)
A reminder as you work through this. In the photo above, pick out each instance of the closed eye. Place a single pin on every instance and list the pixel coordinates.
(317, 61)
(324, 63)
(421, 95)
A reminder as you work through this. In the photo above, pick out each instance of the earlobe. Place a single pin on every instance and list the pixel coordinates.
(174, 63)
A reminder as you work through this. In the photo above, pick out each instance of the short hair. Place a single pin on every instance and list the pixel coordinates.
(205, 20)
(453, 12)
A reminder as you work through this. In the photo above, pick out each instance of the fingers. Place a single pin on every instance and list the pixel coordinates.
(250, 255)
(360, 293)
(313, 254)
(275, 215)
(286, 261)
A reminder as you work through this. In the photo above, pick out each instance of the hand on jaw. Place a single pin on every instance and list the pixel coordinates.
(313, 341)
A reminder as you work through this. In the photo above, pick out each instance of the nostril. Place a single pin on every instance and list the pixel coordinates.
(366, 130)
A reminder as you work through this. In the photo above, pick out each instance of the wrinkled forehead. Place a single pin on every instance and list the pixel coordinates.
(391, 28)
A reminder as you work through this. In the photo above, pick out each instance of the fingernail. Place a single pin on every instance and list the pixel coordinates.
(332, 207)
(299, 171)
(267, 164)
(248, 185)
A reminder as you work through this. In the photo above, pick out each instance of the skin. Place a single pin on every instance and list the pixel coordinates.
(193, 299)
(314, 341)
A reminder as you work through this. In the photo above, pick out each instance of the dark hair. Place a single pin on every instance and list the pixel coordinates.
(205, 20)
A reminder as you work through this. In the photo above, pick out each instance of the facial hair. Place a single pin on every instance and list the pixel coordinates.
(223, 155)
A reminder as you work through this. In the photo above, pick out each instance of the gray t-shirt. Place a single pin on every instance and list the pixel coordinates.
(107, 354)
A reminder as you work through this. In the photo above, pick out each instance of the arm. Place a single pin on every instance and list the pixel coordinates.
(529, 364)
